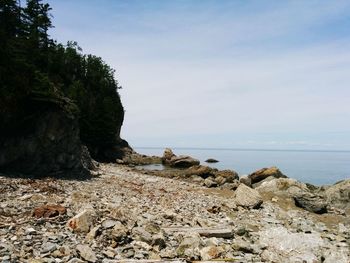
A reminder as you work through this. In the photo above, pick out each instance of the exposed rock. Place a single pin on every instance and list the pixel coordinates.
(210, 183)
(211, 160)
(86, 253)
(247, 197)
(49, 144)
(267, 179)
(167, 155)
(229, 175)
(109, 223)
(189, 246)
(311, 202)
(284, 246)
(283, 187)
(120, 232)
(48, 211)
(246, 180)
(183, 161)
(211, 252)
(83, 221)
(200, 170)
(263, 173)
(338, 195)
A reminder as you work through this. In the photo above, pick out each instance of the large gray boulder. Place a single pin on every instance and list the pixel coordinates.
(247, 197)
(338, 195)
(311, 202)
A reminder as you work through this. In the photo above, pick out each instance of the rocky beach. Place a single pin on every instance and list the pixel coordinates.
(196, 213)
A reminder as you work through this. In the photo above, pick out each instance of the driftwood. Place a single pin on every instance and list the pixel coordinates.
(206, 232)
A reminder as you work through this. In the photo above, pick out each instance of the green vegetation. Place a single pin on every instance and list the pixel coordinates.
(35, 70)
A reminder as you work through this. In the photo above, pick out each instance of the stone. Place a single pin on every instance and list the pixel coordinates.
(247, 197)
(210, 183)
(189, 246)
(48, 211)
(167, 155)
(211, 160)
(86, 253)
(263, 173)
(93, 233)
(109, 223)
(229, 175)
(200, 170)
(83, 221)
(119, 232)
(139, 233)
(246, 180)
(283, 187)
(183, 161)
(338, 195)
(210, 252)
(30, 231)
(48, 247)
(311, 202)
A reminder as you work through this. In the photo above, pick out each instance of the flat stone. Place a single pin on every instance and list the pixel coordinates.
(86, 253)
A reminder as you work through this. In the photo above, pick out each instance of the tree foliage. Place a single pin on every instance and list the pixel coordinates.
(33, 65)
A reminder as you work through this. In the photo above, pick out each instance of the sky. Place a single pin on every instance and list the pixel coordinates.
(222, 74)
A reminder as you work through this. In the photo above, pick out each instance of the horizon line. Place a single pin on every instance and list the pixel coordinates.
(242, 149)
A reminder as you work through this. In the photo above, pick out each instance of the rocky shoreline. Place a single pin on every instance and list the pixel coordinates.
(123, 214)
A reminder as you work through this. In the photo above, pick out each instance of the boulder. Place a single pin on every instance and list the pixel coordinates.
(283, 186)
(183, 161)
(210, 183)
(119, 232)
(245, 179)
(338, 195)
(201, 170)
(229, 175)
(247, 197)
(83, 221)
(211, 160)
(190, 245)
(310, 202)
(167, 155)
(263, 173)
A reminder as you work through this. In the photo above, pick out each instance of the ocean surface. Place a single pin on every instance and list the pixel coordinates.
(315, 167)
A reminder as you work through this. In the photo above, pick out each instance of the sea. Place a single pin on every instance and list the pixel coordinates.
(308, 166)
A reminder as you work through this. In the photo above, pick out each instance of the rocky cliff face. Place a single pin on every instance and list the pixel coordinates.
(46, 144)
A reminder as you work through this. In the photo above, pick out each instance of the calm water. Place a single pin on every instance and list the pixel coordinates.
(316, 167)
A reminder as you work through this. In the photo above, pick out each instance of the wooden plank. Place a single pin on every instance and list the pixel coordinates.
(206, 232)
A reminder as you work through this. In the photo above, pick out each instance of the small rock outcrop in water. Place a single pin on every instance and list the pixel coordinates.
(211, 160)
(181, 161)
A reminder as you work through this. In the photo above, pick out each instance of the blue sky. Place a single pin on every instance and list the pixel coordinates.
(232, 74)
